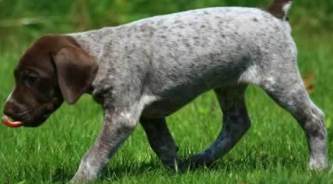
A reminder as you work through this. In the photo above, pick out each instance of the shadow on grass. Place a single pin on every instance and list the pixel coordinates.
(117, 171)
(62, 175)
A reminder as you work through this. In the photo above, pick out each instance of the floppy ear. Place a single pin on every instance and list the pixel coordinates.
(75, 72)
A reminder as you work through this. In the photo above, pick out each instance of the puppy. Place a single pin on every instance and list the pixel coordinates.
(146, 70)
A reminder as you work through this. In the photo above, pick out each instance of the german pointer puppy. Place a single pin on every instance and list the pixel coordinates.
(146, 70)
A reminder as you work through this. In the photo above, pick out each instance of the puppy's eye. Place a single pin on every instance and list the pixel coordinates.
(30, 80)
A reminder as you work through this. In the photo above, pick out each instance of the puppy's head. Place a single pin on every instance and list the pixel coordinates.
(53, 69)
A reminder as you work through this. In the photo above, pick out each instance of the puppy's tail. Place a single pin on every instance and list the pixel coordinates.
(280, 8)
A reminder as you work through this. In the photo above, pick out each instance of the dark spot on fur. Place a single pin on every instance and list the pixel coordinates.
(255, 19)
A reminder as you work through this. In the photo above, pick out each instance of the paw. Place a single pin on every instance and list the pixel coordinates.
(196, 161)
(80, 178)
(318, 164)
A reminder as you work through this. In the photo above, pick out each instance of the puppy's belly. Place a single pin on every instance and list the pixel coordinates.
(167, 106)
(173, 98)
(174, 93)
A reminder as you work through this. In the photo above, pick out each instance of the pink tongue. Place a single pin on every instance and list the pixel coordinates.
(13, 124)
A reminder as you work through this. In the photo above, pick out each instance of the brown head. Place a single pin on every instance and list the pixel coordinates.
(280, 8)
(53, 69)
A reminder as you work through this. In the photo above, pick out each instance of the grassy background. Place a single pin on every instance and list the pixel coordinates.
(273, 151)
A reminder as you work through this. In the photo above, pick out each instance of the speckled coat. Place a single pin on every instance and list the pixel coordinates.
(150, 68)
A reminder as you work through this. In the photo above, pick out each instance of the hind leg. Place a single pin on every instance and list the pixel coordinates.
(289, 92)
(235, 123)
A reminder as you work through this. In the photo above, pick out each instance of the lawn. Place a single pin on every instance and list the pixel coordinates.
(273, 151)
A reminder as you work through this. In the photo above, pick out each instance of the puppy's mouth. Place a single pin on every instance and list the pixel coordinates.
(6, 120)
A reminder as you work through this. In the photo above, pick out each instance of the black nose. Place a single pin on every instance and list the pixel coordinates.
(12, 110)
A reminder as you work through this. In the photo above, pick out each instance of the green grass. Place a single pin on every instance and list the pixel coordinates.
(273, 151)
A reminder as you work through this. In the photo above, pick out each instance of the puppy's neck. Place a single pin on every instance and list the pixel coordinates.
(94, 42)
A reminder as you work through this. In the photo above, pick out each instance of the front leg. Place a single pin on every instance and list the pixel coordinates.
(161, 141)
(118, 125)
